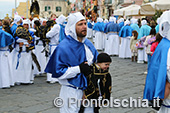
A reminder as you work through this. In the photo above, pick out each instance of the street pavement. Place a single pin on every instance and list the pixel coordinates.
(127, 81)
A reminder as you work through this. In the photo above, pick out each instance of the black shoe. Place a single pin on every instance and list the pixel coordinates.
(155, 104)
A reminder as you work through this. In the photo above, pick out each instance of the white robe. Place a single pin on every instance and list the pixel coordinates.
(124, 50)
(24, 72)
(98, 40)
(112, 44)
(6, 71)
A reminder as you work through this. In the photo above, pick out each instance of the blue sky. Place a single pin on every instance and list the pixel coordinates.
(6, 6)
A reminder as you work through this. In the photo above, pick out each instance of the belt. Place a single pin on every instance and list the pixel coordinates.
(75, 87)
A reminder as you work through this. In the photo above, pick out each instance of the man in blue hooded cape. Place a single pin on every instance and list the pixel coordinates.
(70, 61)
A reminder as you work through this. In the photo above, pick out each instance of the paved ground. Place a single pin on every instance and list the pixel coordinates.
(127, 77)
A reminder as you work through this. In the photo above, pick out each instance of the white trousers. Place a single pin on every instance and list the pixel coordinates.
(67, 94)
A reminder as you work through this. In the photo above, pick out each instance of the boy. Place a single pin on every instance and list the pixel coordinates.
(99, 81)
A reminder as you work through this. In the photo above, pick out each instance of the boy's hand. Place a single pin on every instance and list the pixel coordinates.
(85, 68)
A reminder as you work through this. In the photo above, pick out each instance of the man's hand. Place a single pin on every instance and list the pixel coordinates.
(85, 68)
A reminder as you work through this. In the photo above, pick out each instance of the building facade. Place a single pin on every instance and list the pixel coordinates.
(58, 7)
(22, 9)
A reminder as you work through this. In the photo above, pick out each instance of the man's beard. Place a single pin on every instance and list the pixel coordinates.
(81, 34)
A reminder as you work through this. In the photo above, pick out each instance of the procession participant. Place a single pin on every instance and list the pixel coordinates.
(159, 68)
(134, 24)
(22, 57)
(89, 29)
(67, 61)
(54, 35)
(6, 71)
(39, 49)
(17, 21)
(125, 33)
(105, 35)
(112, 41)
(143, 32)
(61, 21)
(99, 29)
(121, 22)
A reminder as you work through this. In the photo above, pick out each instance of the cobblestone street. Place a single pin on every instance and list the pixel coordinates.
(127, 81)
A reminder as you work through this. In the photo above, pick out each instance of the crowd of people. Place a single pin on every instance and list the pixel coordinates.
(60, 48)
(26, 47)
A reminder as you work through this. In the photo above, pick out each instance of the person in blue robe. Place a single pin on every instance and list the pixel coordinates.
(125, 33)
(98, 33)
(70, 61)
(159, 67)
(99, 26)
(112, 41)
(17, 21)
(61, 19)
(144, 30)
(6, 39)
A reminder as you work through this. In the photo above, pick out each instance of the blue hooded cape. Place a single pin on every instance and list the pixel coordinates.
(144, 31)
(99, 26)
(67, 54)
(6, 39)
(135, 27)
(156, 78)
(111, 27)
(125, 31)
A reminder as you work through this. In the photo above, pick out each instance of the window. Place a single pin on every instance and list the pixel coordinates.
(58, 9)
(47, 8)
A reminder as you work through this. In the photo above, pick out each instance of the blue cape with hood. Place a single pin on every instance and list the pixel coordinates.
(111, 27)
(99, 26)
(156, 78)
(6, 39)
(70, 53)
(125, 31)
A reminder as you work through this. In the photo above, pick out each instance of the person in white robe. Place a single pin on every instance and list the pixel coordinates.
(89, 29)
(76, 50)
(144, 31)
(54, 35)
(99, 32)
(6, 71)
(104, 35)
(125, 33)
(23, 60)
(39, 47)
(112, 42)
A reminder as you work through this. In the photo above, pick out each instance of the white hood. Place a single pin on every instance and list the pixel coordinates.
(70, 28)
(164, 25)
